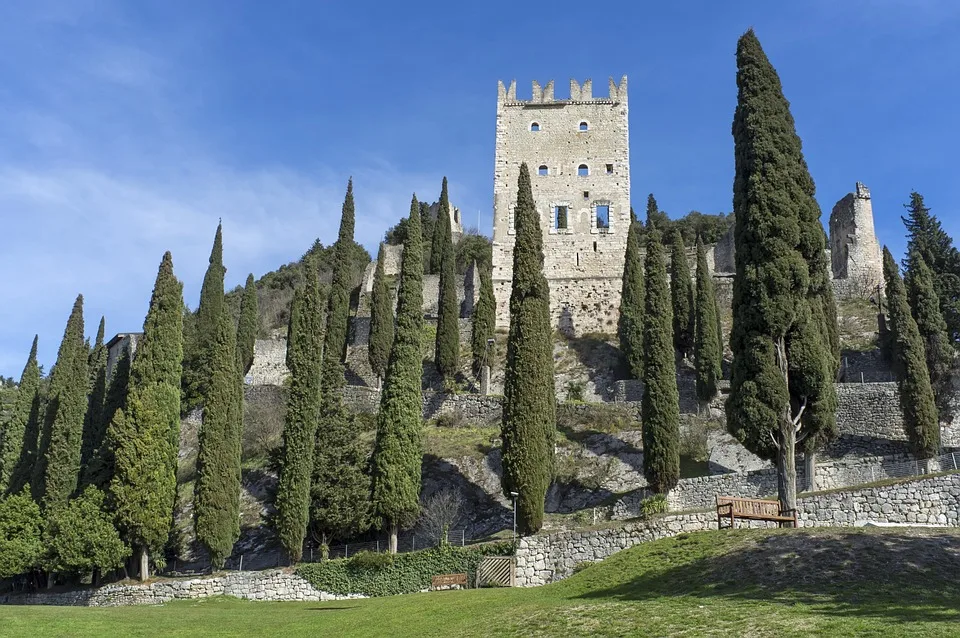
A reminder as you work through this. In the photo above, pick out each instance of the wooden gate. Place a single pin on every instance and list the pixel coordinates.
(498, 571)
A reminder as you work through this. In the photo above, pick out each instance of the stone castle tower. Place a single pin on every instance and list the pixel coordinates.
(578, 153)
(854, 250)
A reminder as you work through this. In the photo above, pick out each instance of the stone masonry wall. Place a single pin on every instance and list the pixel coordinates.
(854, 250)
(272, 585)
(269, 362)
(547, 558)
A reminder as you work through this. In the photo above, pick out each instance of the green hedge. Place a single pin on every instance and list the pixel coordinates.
(405, 574)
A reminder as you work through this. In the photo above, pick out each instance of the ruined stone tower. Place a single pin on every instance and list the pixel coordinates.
(578, 153)
(854, 251)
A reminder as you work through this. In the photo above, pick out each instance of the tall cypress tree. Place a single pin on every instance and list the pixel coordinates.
(304, 348)
(681, 292)
(484, 321)
(653, 213)
(780, 382)
(630, 324)
(933, 329)
(248, 325)
(398, 451)
(381, 319)
(707, 350)
(338, 308)
(529, 406)
(447, 347)
(99, 472)
(19, 444)
(441, 232)
(216, 504)
(660, 407)
(63, 423)
(144, 485)
(93, 425)
(196, 369)
(917, 401)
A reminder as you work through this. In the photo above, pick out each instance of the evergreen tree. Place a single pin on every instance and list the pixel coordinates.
(927, 240)
(441, 234)
(303, 409)
(338, 310)
(144, 485)
(655, 217)
(707, 349)
(529, 405)
(917, 401)
(381, 319)
(933, 329)
(216, 503)
(59, 466)
(447, 350)
(99, 472)
(398, 451)
(21, 541)
(19, 444)
(681, 292)
(780, 383)
(484, 321)
(248, 325)
(660, 407)
(630, 325)
(81, 537)
(196, 368)
(94, 427)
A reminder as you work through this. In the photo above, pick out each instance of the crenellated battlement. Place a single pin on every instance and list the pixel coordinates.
(544, 94)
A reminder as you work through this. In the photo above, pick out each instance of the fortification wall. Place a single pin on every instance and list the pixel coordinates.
(854, 250)
(269, 362)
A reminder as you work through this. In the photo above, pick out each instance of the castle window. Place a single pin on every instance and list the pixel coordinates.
(582, 170)
(586, 194)
(542, 170)
(594, 246)
(535, 126)
(584, 126)
(609, 169)
(560, 217)
(603, 217)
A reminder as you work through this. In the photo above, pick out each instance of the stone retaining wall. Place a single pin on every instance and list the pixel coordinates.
(272, 585)
(547, 558)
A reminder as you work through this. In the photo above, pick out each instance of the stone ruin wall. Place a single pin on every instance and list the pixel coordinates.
(854, 250)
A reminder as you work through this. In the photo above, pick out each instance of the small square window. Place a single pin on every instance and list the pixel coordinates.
(543, 170)
(584, 126)
(560, 217)
(609, 169)
(535, 126)
(603, 216)
(586, 194)
(582, 170)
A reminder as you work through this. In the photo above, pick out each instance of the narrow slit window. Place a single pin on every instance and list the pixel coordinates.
(584, 126)
(560, 217)
(609, 169)
(586, 194)
(582, 170)
(535, 126)
(543, 170)
(594, 246)
(603, 217)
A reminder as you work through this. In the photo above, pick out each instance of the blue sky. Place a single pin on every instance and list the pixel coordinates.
(129, 128)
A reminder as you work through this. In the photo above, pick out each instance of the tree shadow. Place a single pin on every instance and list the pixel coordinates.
(605, 444)
(601, 359)
(482, 513)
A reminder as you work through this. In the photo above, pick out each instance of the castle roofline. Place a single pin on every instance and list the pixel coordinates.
(579, 93)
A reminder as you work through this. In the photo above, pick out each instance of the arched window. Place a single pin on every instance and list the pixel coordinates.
(582, 170)
(535, 126)
(584, 126)
(543, 170)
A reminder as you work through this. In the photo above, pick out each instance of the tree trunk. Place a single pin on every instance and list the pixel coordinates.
(393, 537)
(144, 564)
(810, 470)
(50, 579)
(787, 466)
(95, 579)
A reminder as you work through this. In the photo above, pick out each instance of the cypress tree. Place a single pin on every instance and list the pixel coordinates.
(99, 472)
(780, 382)
(917, 402)
(630, 324)
(59, 466)
(248, 325)
(681, 292)
(381, 319)
(93, 424)
(707, 350)
(933, 329)
(653, 213)
(21, 531)
(660, 407)
(529, 406)
(216, 504)
(19, 445)
(398, 451)
(144, 484)
(196, 369)
(447, 349)
(81, 537)
(303, 409)
(441, 232)
(484, 321)
(338, 307)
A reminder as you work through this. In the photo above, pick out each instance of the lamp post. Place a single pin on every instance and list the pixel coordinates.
(514, 495)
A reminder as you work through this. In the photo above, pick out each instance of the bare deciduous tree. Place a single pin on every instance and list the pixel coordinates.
(440, 513)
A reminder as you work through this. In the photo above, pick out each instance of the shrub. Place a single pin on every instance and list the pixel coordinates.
(370, 560)
(452, 419)
(579, 567)
(656, 504)
(576, 391)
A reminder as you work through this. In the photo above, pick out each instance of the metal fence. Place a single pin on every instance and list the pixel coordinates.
(405, 543)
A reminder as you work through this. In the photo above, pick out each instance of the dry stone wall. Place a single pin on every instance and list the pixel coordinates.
(269, 362)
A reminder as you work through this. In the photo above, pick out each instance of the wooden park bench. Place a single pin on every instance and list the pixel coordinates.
(446, 580)
(730, 508)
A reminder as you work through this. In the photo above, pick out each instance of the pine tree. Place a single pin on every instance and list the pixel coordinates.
(94, 427)
(81, 537)
(681, 293)
(933, 329)
(917, 401)
(19, 442)
(529, 406)
(144, 485)
(59, 466)
(303, 409)
(780, 382)
(707, 350)
(21, 540)
(398, 451)
(381, 319)
(99, 472)
(447, 350)
(248, 325)
(216, 504)
(630, 325)
(484, 322)
(660, 407)
(440, 235)
(927, 240)
(196, 368)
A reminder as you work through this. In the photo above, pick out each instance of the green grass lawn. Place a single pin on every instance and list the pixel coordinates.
(886, 582)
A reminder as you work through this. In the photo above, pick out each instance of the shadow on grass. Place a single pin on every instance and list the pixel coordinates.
(331, 608)
(902, 576)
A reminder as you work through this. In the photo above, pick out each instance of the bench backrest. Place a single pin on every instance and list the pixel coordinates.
(752, 506)
(444, 580)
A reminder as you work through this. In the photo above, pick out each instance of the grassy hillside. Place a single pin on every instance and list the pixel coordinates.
(747, 582)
